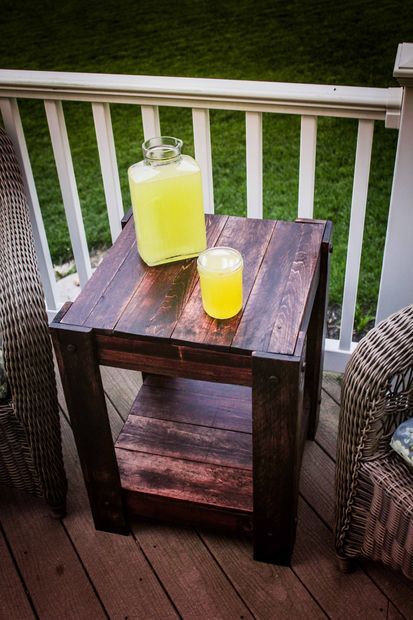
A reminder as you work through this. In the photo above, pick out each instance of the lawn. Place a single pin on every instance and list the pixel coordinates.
(241, 39)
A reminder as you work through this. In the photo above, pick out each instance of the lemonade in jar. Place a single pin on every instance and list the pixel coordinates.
(166, 193)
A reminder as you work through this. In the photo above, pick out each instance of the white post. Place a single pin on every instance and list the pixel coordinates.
(396, 286)
(68, 187)
(203, 154)
(356, 231)
(308, 145)
(253, 130)
(108, 166)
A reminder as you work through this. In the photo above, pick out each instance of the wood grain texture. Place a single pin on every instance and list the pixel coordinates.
(82, 384)
(296, 291)
(277, 401)
(250, 237)
(316, 334)
(97, 286)
(165, 359)
(219, 406)
(314, 562)
(187, 481)
(186, 441)
(130, 589)
(116, 296)
(57, 582)
(286, 277)
(271, 592)
(122, 386)
(194, 581)
(163, 293)
(14, 604)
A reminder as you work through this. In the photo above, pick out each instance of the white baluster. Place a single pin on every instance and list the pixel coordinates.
(14, 129)
(253, 130)
(109, 166)
(67, 180)
(355, 240)
(203, 154)
(150, 121)
(308, 144)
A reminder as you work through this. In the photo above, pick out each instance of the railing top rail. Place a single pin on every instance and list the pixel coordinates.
(203, 92)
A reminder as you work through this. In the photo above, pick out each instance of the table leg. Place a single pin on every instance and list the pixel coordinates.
(277, 414)
(91, 429)
(315, 338)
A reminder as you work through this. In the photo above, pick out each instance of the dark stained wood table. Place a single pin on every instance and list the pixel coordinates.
(216, 434)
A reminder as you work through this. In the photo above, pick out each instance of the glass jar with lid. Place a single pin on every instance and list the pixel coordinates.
(166, 193)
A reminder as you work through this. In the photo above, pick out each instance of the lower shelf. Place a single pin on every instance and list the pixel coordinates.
(185, 453)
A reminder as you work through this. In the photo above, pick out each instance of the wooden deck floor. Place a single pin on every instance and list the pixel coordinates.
(65, 569)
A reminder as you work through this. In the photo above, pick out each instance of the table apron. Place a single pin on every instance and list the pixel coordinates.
(173, 360)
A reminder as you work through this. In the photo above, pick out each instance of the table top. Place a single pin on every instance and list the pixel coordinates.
(281, 269)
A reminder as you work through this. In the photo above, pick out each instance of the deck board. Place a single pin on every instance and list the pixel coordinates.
(163, 571)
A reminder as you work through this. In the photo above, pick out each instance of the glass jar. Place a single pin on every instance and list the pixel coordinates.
(166, 193)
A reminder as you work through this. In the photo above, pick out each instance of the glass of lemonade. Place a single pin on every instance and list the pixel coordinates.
(220, 274)
(166, 193)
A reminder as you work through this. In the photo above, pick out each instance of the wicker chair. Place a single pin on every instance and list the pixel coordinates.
(30, 442)
(374, 486)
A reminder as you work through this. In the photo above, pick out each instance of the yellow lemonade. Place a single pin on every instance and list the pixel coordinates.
(167, 207)
(220, 276)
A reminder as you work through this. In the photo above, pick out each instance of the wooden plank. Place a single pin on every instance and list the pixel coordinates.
(277, 405)
(156, 305)
(117, 567)
(97, 286)
(255, 328)
(250, 237)
(186, 441)
(162, 358)
(119, 291)
(316, 335)
(332, 385)
(14, 603)
(394, 585)
(121, 386)
(51, 570)
(208, 388)
(340, 595)
(326, 435)
(393, 614)
(296, 291)
(186, 481)
(191, 576)
(195, 402)
(272, 592)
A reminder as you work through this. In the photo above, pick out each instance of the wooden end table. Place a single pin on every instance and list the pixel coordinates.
(216, 434)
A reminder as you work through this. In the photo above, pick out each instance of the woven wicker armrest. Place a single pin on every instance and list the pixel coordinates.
(30, 443)
(377, 395)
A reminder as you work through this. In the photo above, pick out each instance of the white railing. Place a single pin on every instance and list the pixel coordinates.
(310, 101)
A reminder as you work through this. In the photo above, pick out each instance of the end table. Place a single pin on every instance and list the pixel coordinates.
(216, 434)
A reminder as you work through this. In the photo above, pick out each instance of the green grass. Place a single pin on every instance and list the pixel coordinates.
(316, 42)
